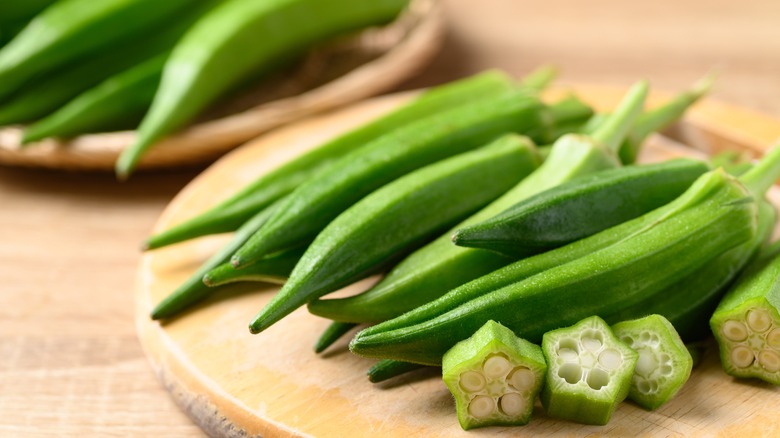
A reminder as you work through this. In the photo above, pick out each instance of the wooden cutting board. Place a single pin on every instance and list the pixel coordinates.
(232, 383)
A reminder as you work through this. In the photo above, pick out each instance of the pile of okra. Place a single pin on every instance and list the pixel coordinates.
(522, 250)
(69, 67)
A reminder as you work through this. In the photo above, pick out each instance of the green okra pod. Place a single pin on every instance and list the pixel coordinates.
(588, 372)
(308, 209)
(664, 363)
(439, 267)
(231, 213)
(222, 50)
(387, 369)
(272, 269)
(193, 290)
(332, 334)
(597, 275)
(581, 207)
(116, 103)
(73, 30)
(494, 376)
(396, 218)
(12, 11)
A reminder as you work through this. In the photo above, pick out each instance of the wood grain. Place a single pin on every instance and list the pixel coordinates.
(235, 384)
(68, 242)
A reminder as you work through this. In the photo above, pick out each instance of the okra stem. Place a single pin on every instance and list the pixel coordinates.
(615, 128)
(764, 174)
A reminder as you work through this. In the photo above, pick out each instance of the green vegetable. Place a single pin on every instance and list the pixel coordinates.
(331, 334)
(588, 372)
(320, 199)
(116, 103)
(581, 207)
(41, 99)
(494, 376)
(598, 275)
(664, 363)
(387, 369)
(193, 290)
(438, 267)
(20, 10)
(272, 269)
(398, 217)
(70, 31)
(231, 213)
(746, 323)
(236, 40)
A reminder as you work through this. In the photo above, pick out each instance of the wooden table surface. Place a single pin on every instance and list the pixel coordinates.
(70, 364)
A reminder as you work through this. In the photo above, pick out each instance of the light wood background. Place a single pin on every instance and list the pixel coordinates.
(70, 364)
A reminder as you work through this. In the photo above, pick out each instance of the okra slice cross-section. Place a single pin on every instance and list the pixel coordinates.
(746, 323)
(664, 363)
(494, 376)
(588, 372)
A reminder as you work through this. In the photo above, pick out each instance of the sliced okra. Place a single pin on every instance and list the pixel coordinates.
(588, 372)
(664, 363)
(494, 376)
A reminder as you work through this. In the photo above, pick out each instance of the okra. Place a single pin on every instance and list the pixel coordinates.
(387, 369)
(73, 30)
(193, 290)
(21, 10)
(272, 269)
(231, 213)
(308, 209)
(581, 207)
(664, 363)
(398, 217)
(222, 50)
(439, 267)
(598, 275)
(494, 376)
(331, 334)
(45, 97)
(119, 102)
(588, 372)
(746, 323)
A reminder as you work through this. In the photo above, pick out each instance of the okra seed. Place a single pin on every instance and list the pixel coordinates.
(592, 340)
(644, 337)
(598, 378)
(742, 356)
(759, 320)
(646, 363)
(643, 386)
(665, 358)
(610, 359)
(654, 338)
(735, 331)
(496, 366)
(569, 343)
(511, 404)
(770, 360)
(773, 338)
(568, 355)
(628, 340)
(591, 344)
(522, 378)
(472, 381)
(571, 372)
(481, 406)
(666, 370)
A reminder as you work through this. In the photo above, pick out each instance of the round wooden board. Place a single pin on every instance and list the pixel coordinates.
(232, 383)
(337, 74)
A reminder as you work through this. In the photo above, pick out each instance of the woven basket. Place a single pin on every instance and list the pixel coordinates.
(342, 72)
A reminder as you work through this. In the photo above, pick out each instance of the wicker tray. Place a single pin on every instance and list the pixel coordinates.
(340, 73)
